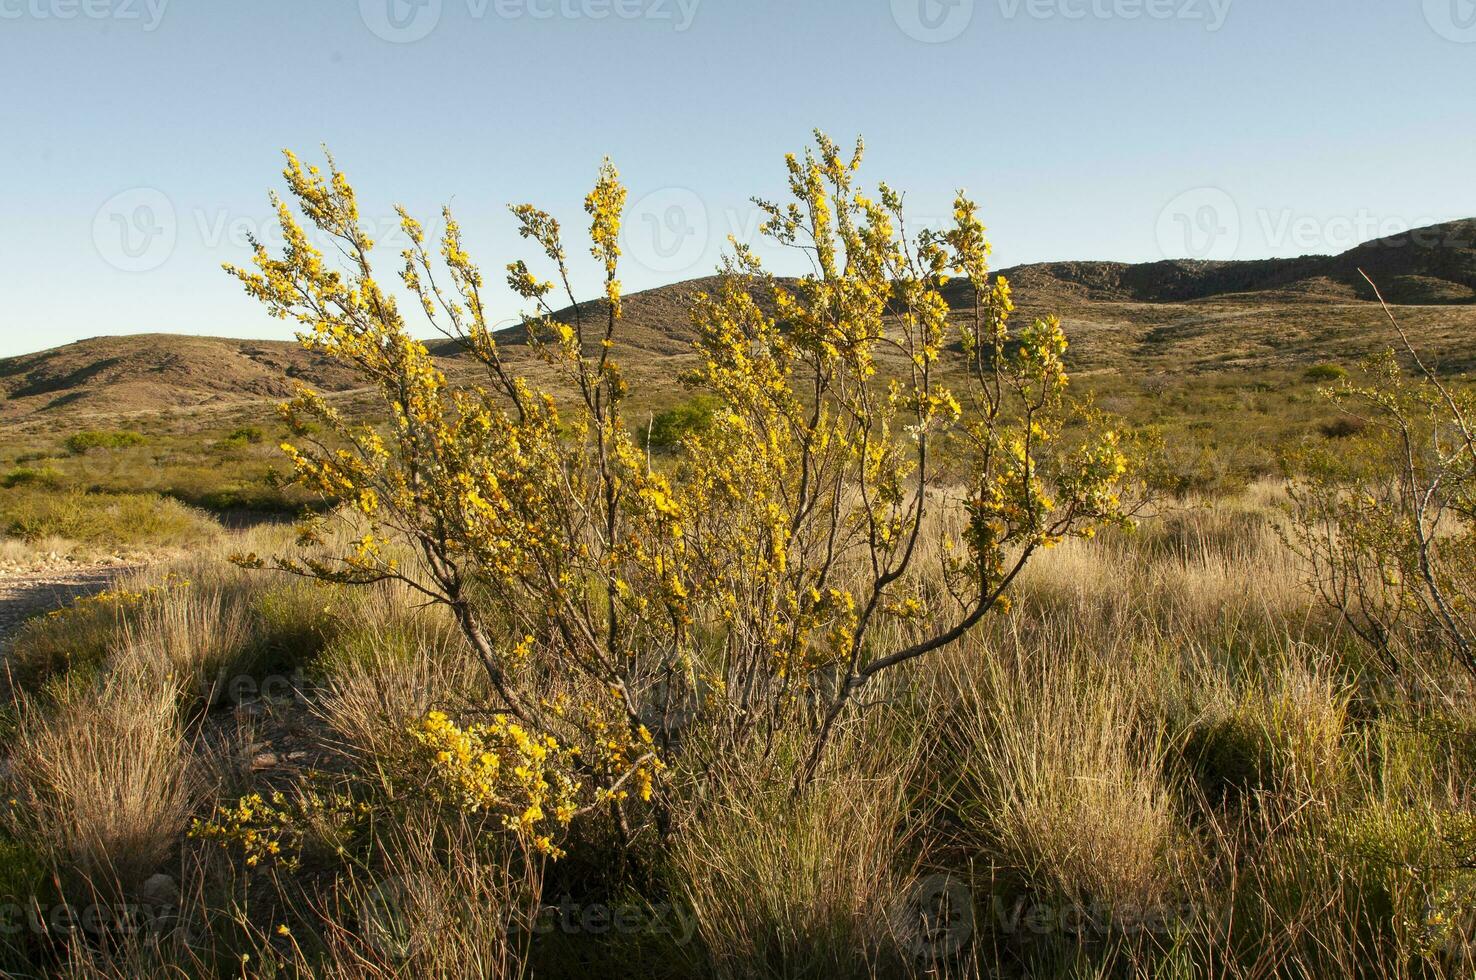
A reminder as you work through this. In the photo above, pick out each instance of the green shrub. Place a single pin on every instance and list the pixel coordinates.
(1324, 372)
(79, 442)
(1412, 867)
(28, 476)
(247, 433)
(293, 623)
(110, 521)
(668, 428)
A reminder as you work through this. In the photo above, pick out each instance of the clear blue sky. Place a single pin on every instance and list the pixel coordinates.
(140, 136)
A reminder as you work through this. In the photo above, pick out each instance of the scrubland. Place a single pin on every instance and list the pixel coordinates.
(886, 654)
(1166, 759)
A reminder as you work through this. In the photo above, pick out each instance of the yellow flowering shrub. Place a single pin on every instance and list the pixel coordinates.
(748, 575)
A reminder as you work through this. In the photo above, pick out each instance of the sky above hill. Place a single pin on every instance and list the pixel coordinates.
(140, 137)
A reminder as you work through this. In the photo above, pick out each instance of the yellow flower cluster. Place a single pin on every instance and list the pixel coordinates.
(121, 598)
(499, 769)
(273, 827)
(255, 824)
(620, 755)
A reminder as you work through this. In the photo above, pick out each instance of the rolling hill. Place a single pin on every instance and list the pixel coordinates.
(151, 372)
(1132, 318)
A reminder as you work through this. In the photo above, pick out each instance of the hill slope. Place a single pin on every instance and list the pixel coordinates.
(1432, 265)
(1172, 315)
(149, 372)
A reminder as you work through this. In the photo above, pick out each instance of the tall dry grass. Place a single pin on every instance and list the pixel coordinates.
(810, 886)
(1061, 775)
(105, 782)
(1166, 731)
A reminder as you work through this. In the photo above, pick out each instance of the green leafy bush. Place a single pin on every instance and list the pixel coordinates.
(247, 433)
(668, 428)
(1324, 373)
(123, 520)
(79, 442)
(25, 476)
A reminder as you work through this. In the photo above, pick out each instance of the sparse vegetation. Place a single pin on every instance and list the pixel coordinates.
(103, 520)
(526, 698)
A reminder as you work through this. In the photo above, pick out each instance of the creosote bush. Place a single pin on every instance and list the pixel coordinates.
(80, 442)
(760, 692)
(748, 585)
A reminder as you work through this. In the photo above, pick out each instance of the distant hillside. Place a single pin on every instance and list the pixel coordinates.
(147, 372)
(1176, 315)
(1432, 265)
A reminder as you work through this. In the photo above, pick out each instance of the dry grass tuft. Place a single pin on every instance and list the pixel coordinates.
(1061, 775)
(105, 781)
(807, 887)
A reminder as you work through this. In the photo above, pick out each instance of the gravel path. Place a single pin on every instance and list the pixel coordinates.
(27, 594)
